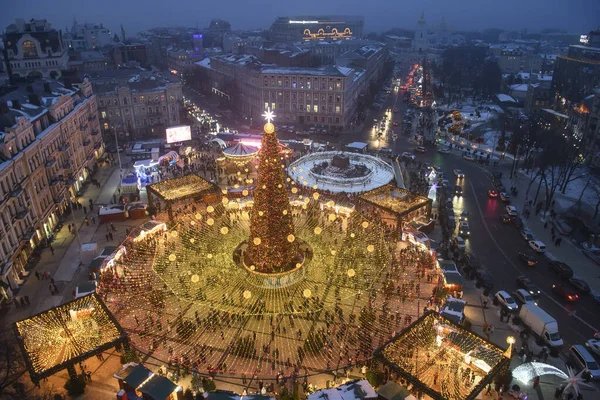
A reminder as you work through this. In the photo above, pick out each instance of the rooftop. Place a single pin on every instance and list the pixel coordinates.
(181, 188)
(395, 199)
(430, 353)
(67, 334)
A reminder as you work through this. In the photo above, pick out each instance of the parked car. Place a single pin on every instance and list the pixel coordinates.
(505, 218)
(529, 260)
(469, 157)
(524, 282)
(527, 235)
(460, 243)
(406, 154)
(582, 360)
(517, 222)
(512, 211)
(593, 345)
(492, 193)
(444, 150)
(458, 190)
(459, 174)
(580, 285)
(463, 229)
(537, 246)
(472, 261)
(565, 293)
(505, 299)
(505, 197)
(484, 278)
(562, 269)
(421, 149)
(522, 296)
(395, 123)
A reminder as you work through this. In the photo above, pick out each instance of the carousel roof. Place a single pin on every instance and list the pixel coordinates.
(240, 150)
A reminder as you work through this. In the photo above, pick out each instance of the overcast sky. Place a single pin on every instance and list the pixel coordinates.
(575, 16)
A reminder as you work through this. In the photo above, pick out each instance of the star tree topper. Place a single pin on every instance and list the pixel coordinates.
(269, 116)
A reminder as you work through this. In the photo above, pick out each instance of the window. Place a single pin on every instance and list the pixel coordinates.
(103, 114)
(125, 100)
(29, 49)
(337, 109)
(308, 108)
(266, 105)
(316, 108)
(101, 103)
(308, 83)
(273, 106)
(338, 85)
(106, 125)
(338, 98)
(134, 100)
(337, 120)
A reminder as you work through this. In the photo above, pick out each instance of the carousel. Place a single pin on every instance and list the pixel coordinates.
(240, 153)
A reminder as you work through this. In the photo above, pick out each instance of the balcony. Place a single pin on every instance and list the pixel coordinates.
(83, 127)
(67, 164)
(64, 147)
(50, 163)
(59, 199)
(87, 142)
(95, 132)
(98, 144)
(91, 117)
(17, 192)
(27, 237)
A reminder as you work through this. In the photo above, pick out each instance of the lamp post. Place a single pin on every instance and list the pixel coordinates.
(510, 340)
(73, 218)
(118, 155)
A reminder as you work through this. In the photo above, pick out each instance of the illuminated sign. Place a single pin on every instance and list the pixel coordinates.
(585, 39)
(179, 134)
(303, 22)
(321, 34)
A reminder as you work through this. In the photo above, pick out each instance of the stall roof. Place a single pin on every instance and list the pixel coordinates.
(107, 251)
(96, 263)
(158, 387)
(453, 278)
(357, 145)
(137, 376)
(448, 266)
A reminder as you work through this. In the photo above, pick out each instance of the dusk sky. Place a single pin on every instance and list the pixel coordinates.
(576, 16)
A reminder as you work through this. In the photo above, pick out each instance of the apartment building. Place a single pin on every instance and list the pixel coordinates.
(49, 142)
(324, 97)
(143, 107)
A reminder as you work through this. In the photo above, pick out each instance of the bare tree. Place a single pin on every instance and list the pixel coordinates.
(12, 365)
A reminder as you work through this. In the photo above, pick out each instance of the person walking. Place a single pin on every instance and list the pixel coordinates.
(27, 300)
(52, 250)
(37, 275)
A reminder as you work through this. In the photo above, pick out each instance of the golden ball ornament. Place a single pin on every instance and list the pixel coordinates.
(195, 278)
(210, 222)
(172, 257)
(256, 241)
(291, 238)
(318, 230)
(247, 294)
(269, 127)
(224, 230)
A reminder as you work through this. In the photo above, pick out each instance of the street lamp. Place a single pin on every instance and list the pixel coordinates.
(510, 340)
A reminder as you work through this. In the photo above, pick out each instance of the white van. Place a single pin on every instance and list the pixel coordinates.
(538, 246)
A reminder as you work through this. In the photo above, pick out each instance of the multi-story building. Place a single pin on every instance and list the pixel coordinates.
(139, 108)
(87, 36)
(577, 74)
(238, 45)
(126, 54)
(49, 142)
(181, 60)
(34, 49)
(325, 96)
(292, 29)
(584, 125)
(538, 97)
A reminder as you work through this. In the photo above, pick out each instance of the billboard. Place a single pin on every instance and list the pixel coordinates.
(179, 133)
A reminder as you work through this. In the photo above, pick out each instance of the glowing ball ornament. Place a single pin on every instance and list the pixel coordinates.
(224, 230)
(318, 230)
(291, 238)
(195, 278)
(172, 257)
(256, 241)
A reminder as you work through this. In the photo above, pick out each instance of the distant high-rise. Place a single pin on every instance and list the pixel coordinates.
(35, 49)
(87, 36)
(292, 29)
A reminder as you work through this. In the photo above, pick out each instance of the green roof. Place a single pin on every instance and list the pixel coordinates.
(393, 391)
(158, 387)
(447, 265)
(137, 376)
(108, 250)
(453, 278)
(96, 263)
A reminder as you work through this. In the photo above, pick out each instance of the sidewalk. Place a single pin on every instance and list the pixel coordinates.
(478, 316)
(64, 263)
(567, 251)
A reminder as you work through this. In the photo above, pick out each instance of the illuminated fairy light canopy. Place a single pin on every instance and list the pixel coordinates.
(67, 334)
(435, 355)
(181, 188)
(525, 373)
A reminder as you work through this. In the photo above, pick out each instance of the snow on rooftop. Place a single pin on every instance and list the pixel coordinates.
(504, 98)
(519, 87)
(357, 145)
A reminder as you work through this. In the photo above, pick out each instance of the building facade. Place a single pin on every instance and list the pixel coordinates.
(291, 29)
(325, 97)
(138, 110)
(421, 42)
(35, 50)
(49, 143)
(576, 74)
(87, 36)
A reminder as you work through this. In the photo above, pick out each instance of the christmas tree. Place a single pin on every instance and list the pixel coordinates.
(272, 246)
